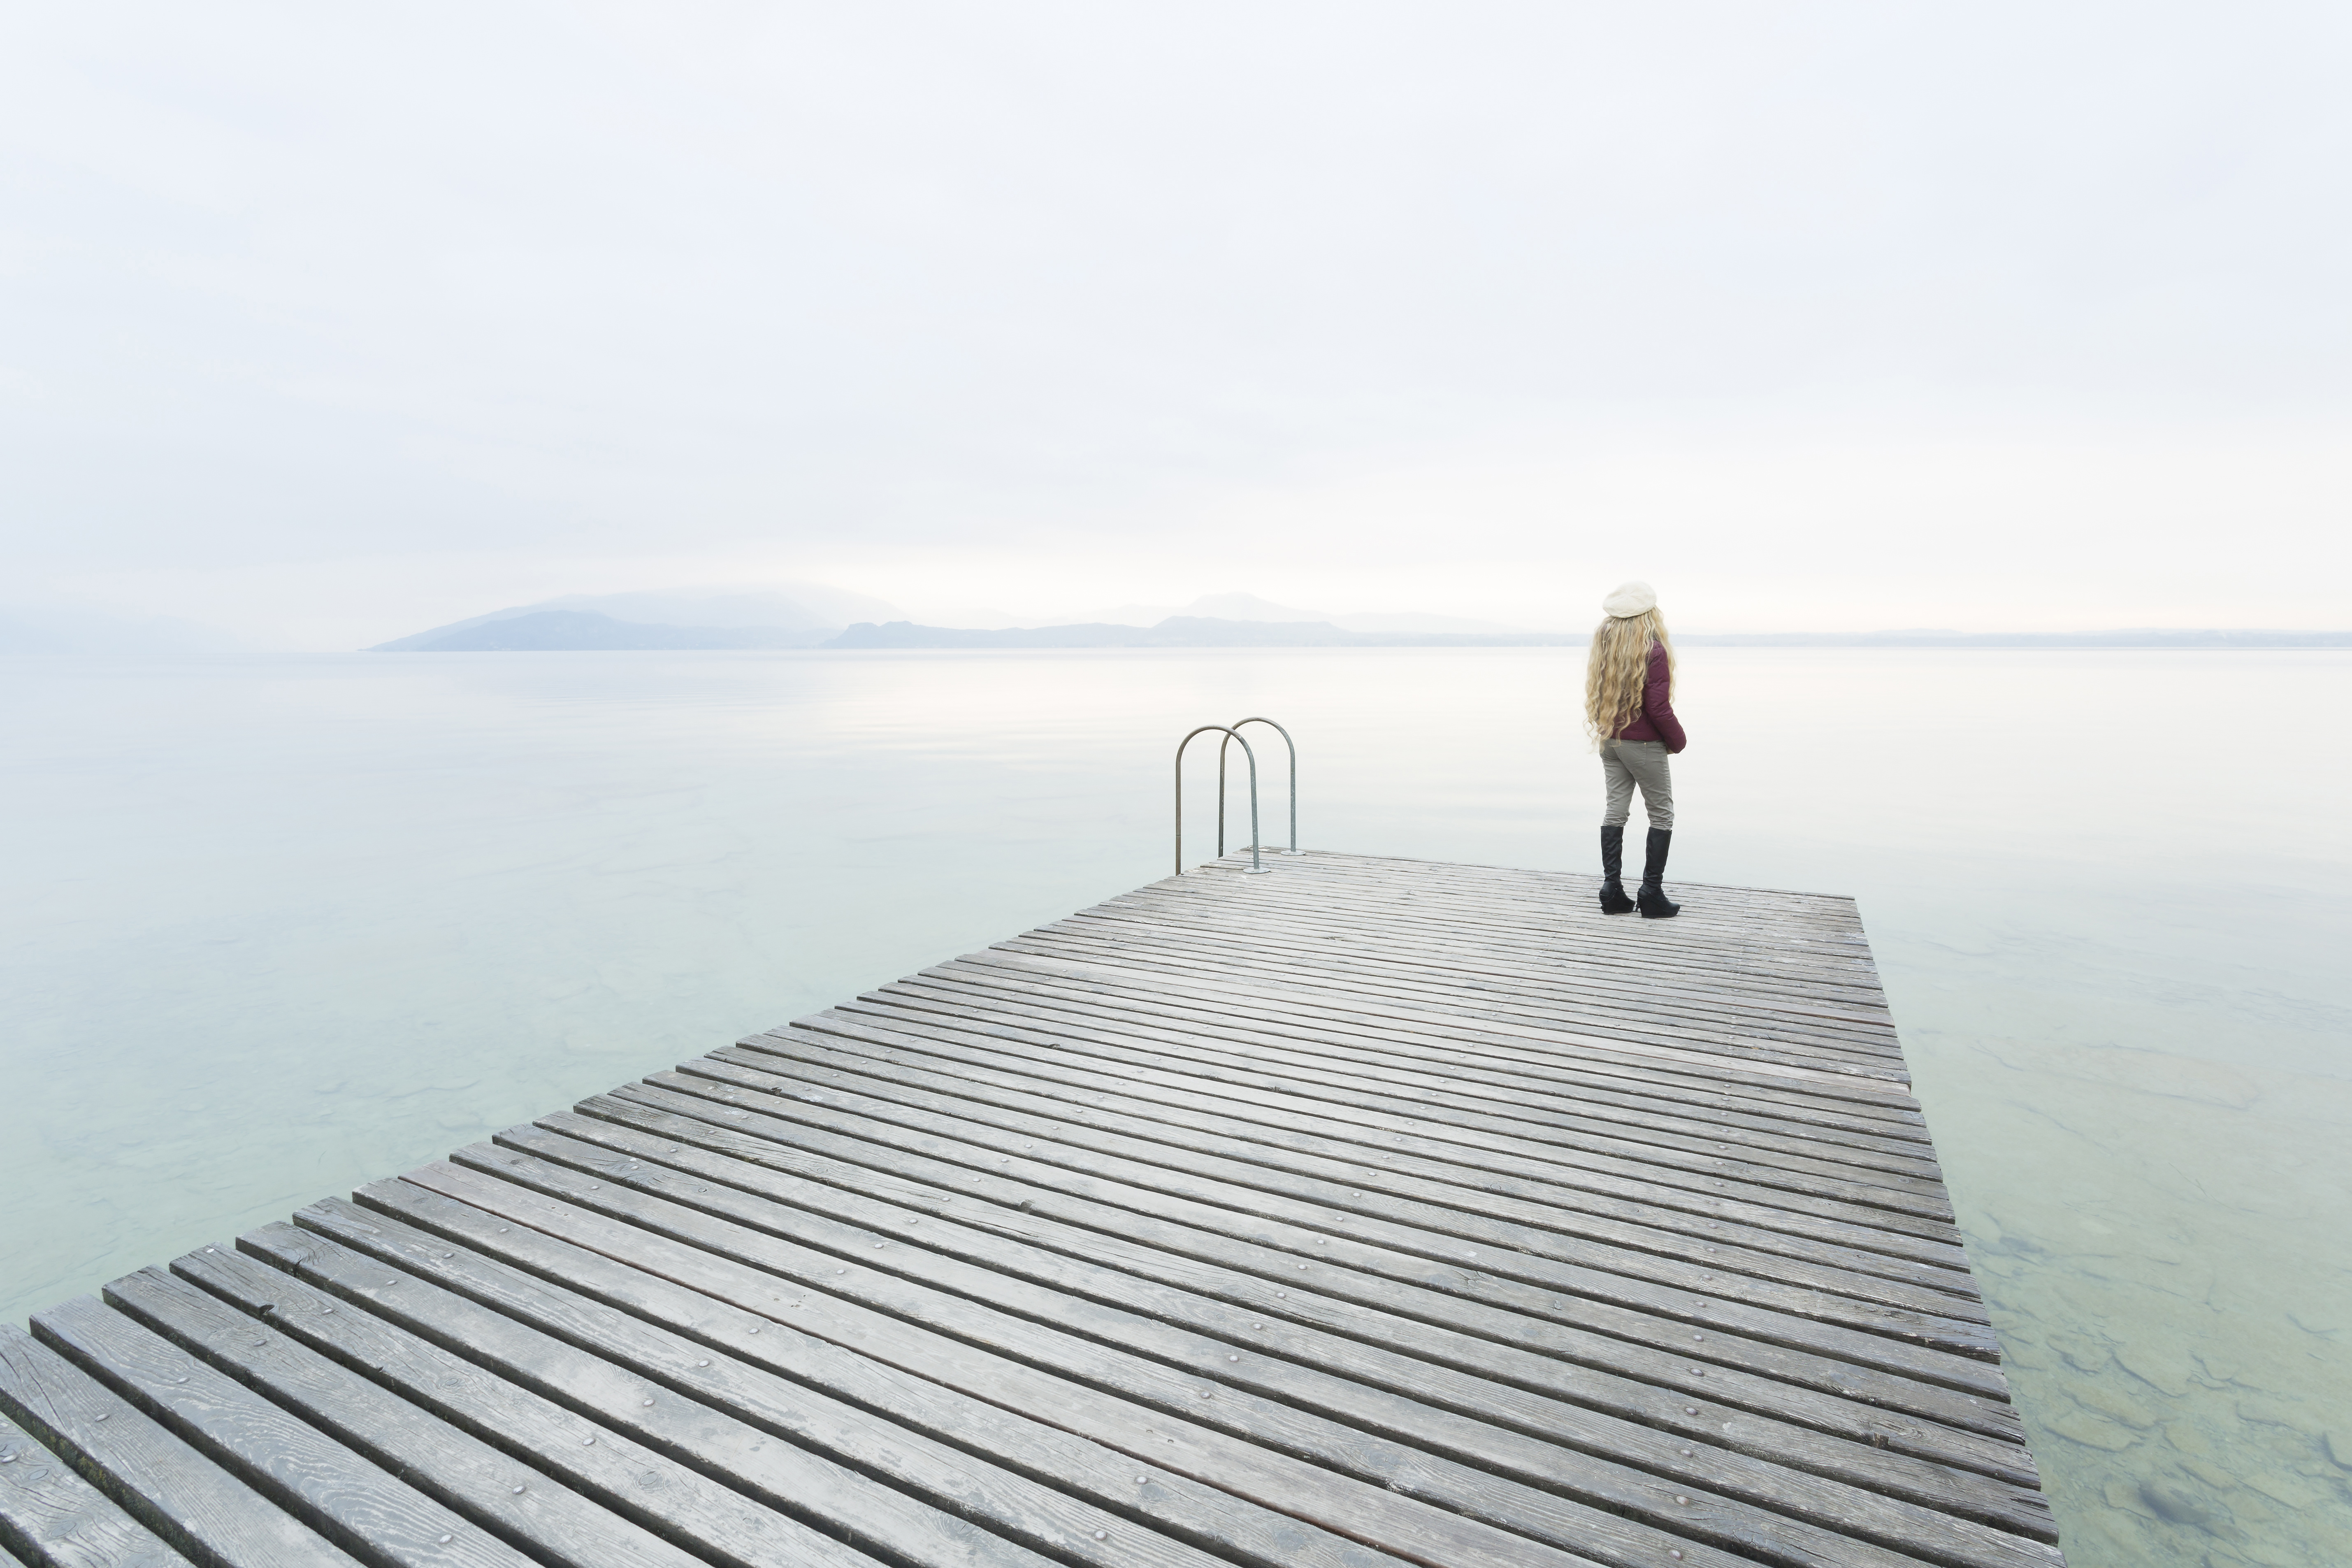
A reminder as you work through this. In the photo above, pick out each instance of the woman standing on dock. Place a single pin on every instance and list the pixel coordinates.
(1629, 687)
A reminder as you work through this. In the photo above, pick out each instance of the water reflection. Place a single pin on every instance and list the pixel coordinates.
(286, 925)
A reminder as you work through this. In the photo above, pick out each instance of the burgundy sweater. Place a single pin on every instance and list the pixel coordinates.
(1656, 720)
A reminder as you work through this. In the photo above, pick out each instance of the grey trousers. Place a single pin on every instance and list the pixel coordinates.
(1625, 763)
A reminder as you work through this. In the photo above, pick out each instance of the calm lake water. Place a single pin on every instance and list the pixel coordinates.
(277, 926)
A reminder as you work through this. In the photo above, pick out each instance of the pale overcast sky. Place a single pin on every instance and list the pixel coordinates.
(330, 323)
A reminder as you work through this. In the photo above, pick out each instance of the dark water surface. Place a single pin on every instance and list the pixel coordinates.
(277, 926)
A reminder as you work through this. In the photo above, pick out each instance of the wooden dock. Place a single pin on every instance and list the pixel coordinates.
(1369, 1212)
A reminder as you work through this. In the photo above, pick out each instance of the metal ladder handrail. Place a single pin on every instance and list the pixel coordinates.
(1256, 866)
(1223, 746)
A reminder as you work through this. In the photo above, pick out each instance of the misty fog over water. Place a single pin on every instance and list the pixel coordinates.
(286, 924)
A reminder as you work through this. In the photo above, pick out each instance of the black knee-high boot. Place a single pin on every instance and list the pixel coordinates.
(1652, 896)
(1613, 900)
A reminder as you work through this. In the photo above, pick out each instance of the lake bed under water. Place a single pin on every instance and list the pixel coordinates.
(281, 925)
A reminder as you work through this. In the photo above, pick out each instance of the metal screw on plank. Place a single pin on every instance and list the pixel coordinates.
(518, 1491)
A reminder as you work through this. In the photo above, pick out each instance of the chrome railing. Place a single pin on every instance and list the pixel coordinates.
(1256, 867)
(1232, 734)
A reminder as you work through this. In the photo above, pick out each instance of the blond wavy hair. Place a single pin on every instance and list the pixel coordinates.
(1617, 668)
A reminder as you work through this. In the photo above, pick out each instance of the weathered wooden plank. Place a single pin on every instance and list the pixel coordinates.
(1482, 906)
(1312, 942)
(1357, 1193)
(1653, 1138)
(1260, 988)
(1295, 1052)
(371, 1514)
(1035, 1480)
(1636, 1019)
(1754, 942)
(1488, 1269)
(1276, 1231)
(190, 1502)
(1341, 911)
(1783, 1181)
(1253, 1004)
(1149, 1394)
(51, 1518)
(1787, 906)
(1152, 1355)
(618, 1459)
(1760, 944)
(963, 1346)
(1268, 1117)
(1572, 1001)
(1476, 901)
(1525, 1216)
(1330, 938)
(515, 1502)
(1643, 1079)
(1749, 1038)
(1576, 1060)
(1252, 997)
(1494, 1355)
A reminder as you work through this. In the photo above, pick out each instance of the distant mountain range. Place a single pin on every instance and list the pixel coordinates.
(1250, 608)
(1183, 631)
(810, 614)
(791, 614)
(577, 631)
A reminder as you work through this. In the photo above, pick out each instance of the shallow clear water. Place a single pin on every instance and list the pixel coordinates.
(278, 926)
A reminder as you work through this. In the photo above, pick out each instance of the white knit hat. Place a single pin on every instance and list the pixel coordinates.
(1630, 599)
